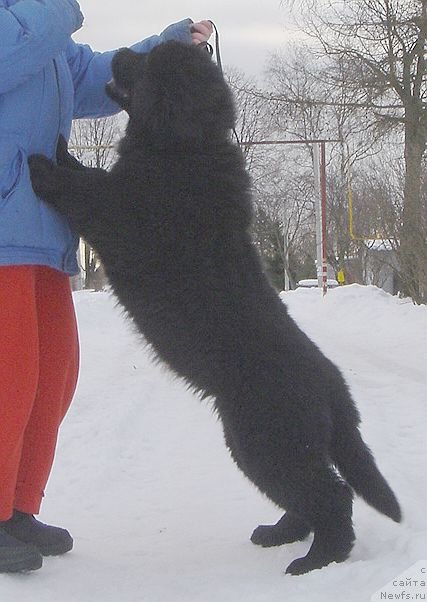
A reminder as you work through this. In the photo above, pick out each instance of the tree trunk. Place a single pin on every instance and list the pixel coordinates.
(413, 247)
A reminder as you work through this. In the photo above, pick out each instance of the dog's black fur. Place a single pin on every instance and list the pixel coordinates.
(171, 224)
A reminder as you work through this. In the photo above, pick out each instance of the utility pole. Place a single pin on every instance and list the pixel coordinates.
(319, 166)
(286, 246)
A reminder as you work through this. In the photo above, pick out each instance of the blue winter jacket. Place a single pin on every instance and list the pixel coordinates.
(46, 80)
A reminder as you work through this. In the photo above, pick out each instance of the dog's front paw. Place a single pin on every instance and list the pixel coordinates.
(42, 172)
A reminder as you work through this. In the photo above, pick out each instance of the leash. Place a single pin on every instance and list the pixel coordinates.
(209, 48)
(217, 48)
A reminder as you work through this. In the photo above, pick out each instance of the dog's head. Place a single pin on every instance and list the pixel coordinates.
(175, 93)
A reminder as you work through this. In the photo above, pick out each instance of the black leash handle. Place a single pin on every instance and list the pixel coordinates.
(209, 48)
(219, 63)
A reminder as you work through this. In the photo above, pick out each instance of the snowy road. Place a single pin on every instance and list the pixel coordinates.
(159, 512)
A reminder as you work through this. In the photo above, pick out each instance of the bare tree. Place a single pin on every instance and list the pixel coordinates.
(301, 97)
(92, 140)
(381, 47)
(253, 113)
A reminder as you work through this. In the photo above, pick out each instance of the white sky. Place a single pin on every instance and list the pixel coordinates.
(250, 30)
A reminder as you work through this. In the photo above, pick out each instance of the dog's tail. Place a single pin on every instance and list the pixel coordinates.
(357, 465)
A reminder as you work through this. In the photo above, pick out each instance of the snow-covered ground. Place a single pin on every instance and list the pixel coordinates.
(158, 511)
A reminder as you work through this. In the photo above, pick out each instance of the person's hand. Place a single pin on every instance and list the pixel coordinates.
(201, 32)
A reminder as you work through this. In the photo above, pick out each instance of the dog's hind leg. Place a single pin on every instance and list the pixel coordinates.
(315, 496)
(291, 527)
(325, 502)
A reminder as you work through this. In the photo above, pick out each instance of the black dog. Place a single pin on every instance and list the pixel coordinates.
(171, 224)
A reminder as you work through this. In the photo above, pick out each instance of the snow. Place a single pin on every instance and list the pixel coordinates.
(158, 511)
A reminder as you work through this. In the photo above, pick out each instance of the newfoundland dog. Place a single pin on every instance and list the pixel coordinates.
(171, 223)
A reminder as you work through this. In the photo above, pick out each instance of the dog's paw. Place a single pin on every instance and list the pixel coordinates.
(268, 536)
(308, 563)
(42, 172)
(290, 528)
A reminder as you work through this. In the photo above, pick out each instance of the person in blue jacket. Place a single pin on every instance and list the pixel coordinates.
(46, 80)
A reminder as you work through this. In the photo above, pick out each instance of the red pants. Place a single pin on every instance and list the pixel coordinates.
(38, 374)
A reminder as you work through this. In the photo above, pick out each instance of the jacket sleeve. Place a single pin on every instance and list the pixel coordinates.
(92, 70)
(33, 32)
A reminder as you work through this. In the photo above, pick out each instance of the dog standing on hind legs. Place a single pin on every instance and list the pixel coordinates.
(171, 224)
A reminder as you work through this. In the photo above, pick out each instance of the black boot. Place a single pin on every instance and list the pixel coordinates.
(49, 541)
(17, 556)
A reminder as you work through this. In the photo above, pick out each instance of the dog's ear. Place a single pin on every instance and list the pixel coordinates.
(182, 96)
(124, 66)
